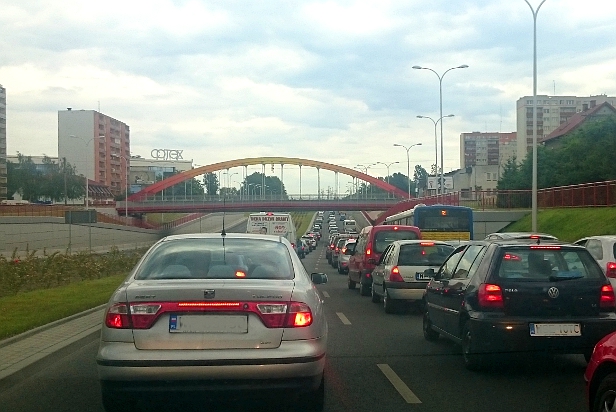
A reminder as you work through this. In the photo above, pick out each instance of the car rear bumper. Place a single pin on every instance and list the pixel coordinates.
(302, 359)
(411, 291)
(513, 335)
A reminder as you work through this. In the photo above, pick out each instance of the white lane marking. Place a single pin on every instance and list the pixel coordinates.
(325, 294)
(400, 386)
(343, 318)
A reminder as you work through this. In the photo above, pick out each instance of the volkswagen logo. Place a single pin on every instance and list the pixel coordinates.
(553, 292)
(211, 293)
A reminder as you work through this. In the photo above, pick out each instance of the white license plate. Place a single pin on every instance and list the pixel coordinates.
(208, 323)
(555, 329)
(421, 276)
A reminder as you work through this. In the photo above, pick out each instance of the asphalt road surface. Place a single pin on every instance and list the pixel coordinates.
(376, 362)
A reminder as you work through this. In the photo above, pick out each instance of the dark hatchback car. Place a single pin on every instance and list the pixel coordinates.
(516, 297)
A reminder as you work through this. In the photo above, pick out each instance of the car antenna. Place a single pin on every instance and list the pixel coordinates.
(223, 233)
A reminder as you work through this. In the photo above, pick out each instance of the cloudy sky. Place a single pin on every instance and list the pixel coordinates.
(321, 80)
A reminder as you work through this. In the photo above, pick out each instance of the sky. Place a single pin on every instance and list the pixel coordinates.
(320, 80)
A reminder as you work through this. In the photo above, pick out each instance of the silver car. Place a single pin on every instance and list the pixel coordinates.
(399, 275)
(210, 311)
(345, 254)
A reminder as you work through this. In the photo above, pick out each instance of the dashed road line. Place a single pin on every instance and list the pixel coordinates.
(400, 386)
(325, 294)
(343, 318)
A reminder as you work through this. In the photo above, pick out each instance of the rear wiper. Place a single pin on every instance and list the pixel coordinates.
(565, 276)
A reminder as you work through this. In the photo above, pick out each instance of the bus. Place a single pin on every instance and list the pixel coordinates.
(437, 222)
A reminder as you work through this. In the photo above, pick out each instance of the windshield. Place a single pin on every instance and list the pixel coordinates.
(534, 265)
(215, 259)
(383, 238)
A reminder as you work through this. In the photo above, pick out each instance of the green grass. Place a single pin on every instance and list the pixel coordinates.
(570, 224)
(29, 310)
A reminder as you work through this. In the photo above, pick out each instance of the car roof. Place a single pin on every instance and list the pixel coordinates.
(523, 235)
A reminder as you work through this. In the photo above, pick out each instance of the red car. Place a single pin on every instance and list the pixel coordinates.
(600, 376)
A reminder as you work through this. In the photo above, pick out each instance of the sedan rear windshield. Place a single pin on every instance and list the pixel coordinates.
(384, 238)
(418, 254)
(547, 264)
(215, 259)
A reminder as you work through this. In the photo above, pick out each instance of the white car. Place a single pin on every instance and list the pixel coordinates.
(603, 249)
(211, 312)
(399, 276)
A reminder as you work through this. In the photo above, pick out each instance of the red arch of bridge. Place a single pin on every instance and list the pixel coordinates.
(189, 174)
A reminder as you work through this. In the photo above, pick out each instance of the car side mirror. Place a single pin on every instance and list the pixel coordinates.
(318, 278)
(429, 273)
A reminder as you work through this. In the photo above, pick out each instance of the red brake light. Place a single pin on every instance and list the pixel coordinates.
(490, 296)
(607, 300)
(343, 251)
(395, 276)
(426, 243)
(509, 256)
(369, 249)
(544, 247)
(610, 271)
(395, 227)
(117, 317)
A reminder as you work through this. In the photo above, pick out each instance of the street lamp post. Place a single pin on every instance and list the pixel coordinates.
(387, 165)
(534, 187)
(440, 94)
(122, 157)
(408, 162)
(87, 142)
(438, 185)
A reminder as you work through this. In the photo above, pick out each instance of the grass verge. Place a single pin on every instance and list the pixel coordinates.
(29, 310)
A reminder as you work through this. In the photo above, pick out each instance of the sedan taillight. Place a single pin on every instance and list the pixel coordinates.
(394, 275)
(607, 299)
(610, 271)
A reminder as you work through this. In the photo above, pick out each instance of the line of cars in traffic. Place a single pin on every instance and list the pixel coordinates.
(509, 296)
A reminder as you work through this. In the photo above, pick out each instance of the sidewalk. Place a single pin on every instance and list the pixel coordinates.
(23, 350)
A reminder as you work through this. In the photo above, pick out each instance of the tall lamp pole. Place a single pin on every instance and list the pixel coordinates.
(387, 165)
(408, 163)
(438, 186)
(534, 188)
(440, 94)
(87, 142)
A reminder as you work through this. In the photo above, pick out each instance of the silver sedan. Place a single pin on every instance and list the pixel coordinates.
(209, 311)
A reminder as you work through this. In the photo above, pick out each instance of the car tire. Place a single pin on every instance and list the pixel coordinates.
(116, 402)
(472, 360)
(389, 304)
(429, 333)
(375, 297)
(313, 401)
(363, 289)
(350, 283)
(605, 398)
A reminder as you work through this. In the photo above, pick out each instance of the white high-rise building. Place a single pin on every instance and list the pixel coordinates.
(552, 111)
(97, 145)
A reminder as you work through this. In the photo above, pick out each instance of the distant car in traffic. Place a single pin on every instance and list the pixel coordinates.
(520, 236)
(399, 277)
(215, 312)
(506, 296)
(345, 254)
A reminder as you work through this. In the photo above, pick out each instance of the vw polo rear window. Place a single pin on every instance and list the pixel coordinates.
(217, 259)
(547, 264)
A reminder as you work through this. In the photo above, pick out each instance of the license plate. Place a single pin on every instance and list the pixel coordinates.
(421, 276)
(555, 329)
(208, 324)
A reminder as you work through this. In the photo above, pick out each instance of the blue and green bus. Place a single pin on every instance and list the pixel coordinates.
(437, 222)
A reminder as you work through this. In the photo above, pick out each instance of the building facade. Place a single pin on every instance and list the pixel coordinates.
(552, 111)
(3, 171)
(97, 145)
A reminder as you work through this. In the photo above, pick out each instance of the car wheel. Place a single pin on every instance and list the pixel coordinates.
(429, 333)
(605, 398)
(472, 360)
(375, 297)
(115, 402)
(363, 289)
(350, 283)
(313, 401)
(389, 304)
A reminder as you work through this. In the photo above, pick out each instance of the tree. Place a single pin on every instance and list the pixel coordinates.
(210, 181)
(253, 184)
(420, 176)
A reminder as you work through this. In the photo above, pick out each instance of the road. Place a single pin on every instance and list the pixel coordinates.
(376, 362)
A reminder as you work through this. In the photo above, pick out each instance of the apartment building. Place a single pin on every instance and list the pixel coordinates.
(3, 171)
(552, 111)
(97, 145)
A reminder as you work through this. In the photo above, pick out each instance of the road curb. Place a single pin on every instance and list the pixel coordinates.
(50, 325)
